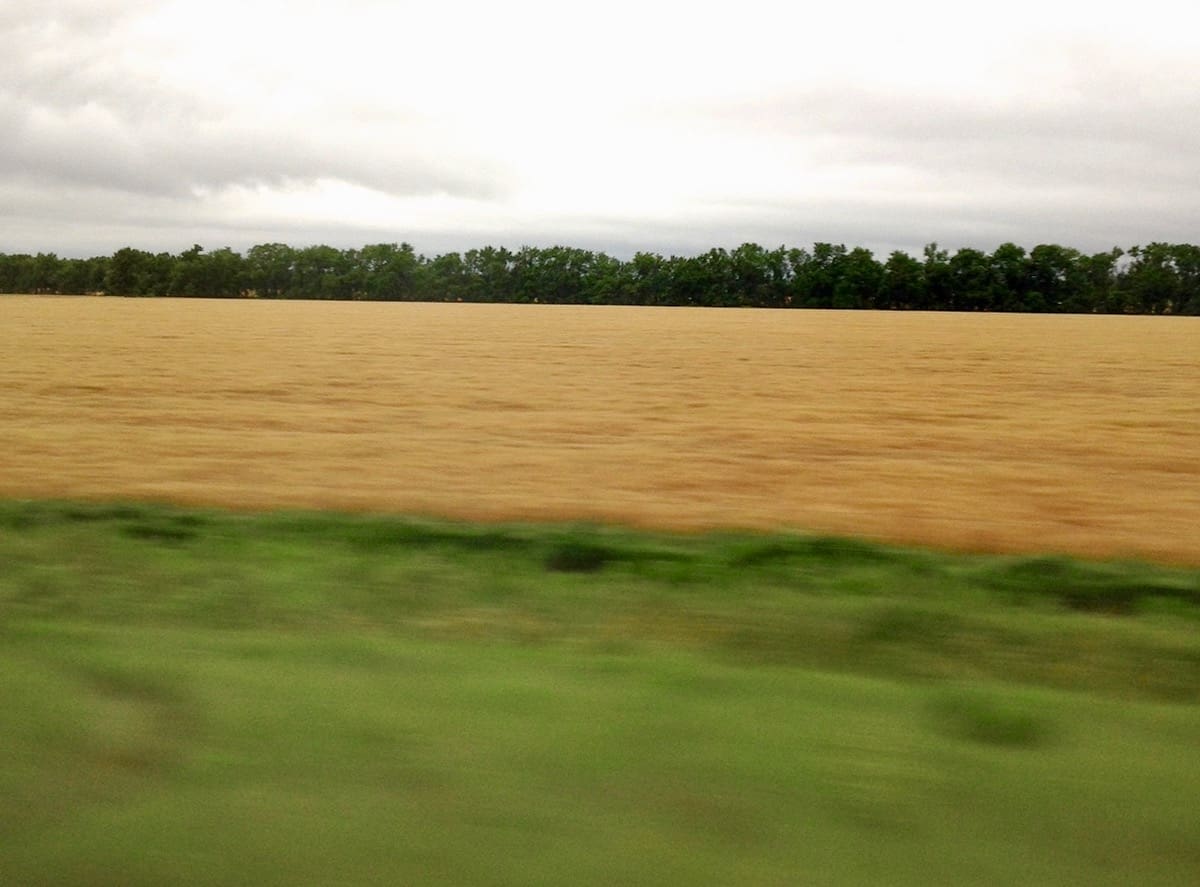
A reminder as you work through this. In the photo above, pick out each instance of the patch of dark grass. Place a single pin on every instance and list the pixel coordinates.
(825, 550)
(781, 642)
(21, 516)
(578, 555)
(382, 535)
(167, 530)
(1123, 597)
(991, 717)
(590, 549)
(758, 553)
(123, 680)
(135, 519)
(84, 513)
(908, 624)
(369, 534)
(671, 569)
(18, 520)
(1113, 589)
(836, 549)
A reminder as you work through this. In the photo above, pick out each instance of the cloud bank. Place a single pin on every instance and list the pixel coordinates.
(653, 125)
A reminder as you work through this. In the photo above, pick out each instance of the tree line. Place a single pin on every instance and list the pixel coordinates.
(1160, 278)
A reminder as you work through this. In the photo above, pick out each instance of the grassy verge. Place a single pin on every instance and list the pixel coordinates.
(205, 697)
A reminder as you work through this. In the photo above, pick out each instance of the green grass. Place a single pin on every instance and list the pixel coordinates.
(213, 698)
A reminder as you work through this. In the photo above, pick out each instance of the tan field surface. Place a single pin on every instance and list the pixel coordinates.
(1074, 434)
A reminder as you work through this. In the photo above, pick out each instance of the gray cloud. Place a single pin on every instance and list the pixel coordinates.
(91, 146)
(77, 16)
(1107, 156)
(103, 148)
(96, 221)
(1111, 125)
(74, 114)
(1112, 146)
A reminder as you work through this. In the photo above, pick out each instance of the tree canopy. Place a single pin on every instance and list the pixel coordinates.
(1160, 278)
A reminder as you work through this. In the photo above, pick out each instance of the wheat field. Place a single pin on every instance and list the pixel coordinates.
(1006, 433)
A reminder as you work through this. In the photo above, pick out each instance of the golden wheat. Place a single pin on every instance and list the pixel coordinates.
(990, 432)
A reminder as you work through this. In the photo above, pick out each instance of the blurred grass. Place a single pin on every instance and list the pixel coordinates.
(209, 697)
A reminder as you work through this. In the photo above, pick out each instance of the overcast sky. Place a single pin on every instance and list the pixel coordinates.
(665, 126)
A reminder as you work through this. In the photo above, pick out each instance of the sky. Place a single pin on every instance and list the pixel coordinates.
(668, 127)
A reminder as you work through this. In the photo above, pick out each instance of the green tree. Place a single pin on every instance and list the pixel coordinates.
(603, 283)
(445, 278)
(1151, 282)
(938, 283)
(1100, 273)
(129, 270)
(490, 275)
(16, 273)
(322, 272)
(704, 280)
(218, 274)
(1057, 279)
(79, 276)
(971, 285)
(271, 270)
(858, 279)
(816, 275)
(761, 278)
(386, 271)
(1010, 279)
(646, 279)
(902, 284)
(1187, 267)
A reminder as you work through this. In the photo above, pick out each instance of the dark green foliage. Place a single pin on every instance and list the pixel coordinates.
(1156, 279)
(903, 282)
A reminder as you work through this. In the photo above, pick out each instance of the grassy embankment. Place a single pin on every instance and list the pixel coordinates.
(210, 698)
